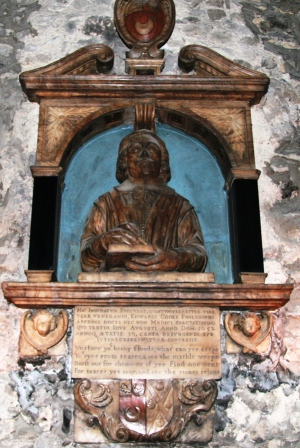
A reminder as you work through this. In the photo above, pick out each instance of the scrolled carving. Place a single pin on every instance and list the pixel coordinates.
(101, 399)
(43, 330)
(91, 421)
(187, 58)
(208, 63)
(89, 60)
(170, 433)
(196, 398)
(102, 62)
(105, 60)
(122, 435)
(198, 394)
(249, 329)
(94, 397)
(90, 396)
(112, 429)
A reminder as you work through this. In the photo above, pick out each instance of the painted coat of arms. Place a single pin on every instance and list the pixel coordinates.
(144, 410)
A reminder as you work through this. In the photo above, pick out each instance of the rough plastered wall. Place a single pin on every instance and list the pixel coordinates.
(258, 402)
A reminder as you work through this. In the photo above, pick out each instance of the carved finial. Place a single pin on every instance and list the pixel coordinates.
(145, 26)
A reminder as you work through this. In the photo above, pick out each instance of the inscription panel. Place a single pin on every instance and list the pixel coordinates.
(148, 343)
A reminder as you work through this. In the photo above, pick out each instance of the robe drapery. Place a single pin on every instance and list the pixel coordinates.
(171, 224)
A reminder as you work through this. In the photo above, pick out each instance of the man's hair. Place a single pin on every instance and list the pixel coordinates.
(248, 315)
(122, 172)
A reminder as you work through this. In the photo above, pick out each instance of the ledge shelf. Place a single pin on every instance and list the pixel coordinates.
(67, 295)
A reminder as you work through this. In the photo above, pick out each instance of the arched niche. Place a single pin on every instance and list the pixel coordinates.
(233, 248)
(196, 175)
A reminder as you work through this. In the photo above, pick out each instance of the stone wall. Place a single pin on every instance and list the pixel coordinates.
(258, 402)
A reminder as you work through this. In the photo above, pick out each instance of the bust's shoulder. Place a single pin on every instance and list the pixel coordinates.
(109, 195)
(168, 191)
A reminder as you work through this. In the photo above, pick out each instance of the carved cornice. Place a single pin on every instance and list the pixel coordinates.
(162, 87)
(241, 296)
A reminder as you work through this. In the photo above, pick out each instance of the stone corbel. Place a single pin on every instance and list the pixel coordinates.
(248, 332)
(41, 331)
(145, 116)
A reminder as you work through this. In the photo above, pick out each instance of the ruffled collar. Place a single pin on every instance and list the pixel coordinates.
(128, 186)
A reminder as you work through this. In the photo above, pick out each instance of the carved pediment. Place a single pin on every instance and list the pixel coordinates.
(90, 60)
(77, 75)
(209, 63)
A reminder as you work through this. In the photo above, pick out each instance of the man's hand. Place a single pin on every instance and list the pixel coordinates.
(126, 233)
(163, 260)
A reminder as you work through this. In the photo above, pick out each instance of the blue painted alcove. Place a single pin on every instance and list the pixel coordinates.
(195, 175)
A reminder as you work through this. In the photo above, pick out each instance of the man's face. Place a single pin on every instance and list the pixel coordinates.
(144, 157)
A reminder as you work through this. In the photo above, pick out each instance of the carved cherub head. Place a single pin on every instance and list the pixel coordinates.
(249, 324)
(142, 138)
(44, 322)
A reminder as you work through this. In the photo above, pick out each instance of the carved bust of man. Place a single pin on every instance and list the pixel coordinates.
(143, 210)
